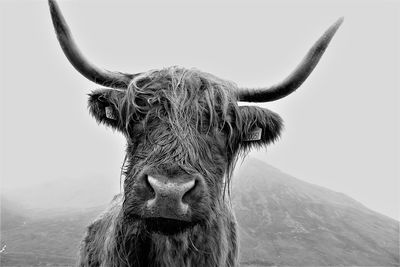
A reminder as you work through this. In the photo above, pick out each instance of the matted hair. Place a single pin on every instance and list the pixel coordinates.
(190, 102)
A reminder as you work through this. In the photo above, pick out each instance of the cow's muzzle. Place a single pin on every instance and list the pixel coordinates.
(173, 196)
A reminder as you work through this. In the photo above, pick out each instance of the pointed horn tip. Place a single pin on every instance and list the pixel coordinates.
(59, 23)
(330, 32)
(337, 24)
(52, 4)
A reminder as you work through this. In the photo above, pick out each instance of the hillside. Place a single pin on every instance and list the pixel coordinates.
(66, 193)
(47, 239)
(11, 214)
(285, 221)
(282, 221)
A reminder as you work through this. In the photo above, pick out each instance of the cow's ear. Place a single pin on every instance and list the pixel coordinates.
(259, 126)
(104, 105)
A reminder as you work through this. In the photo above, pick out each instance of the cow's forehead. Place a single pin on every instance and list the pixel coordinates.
(177, 78)
(180, 96)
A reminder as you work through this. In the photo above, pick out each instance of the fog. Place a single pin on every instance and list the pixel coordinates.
(341, 126)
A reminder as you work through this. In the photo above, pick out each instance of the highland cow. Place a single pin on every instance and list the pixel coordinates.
(184, 131)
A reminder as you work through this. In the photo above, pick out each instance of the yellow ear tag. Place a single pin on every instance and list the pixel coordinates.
(110, 114)
(254, 135)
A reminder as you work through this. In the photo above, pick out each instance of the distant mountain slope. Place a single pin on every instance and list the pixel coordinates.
(11, 214)
(68, 193)
(285, 221)
(282, 221)
(52, 240)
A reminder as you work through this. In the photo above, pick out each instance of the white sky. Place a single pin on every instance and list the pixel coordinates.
(341, 127)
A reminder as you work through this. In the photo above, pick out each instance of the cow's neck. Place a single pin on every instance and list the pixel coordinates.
(200, 246)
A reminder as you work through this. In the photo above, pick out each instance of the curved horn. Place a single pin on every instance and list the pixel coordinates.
(71, 51)
(297, 77)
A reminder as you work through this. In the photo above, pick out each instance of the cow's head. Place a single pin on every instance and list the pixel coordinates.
(184, 130)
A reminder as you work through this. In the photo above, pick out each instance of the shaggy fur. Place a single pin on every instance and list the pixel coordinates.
(177, 122)
(111, 241)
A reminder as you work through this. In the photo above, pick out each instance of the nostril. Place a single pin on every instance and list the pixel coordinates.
(191, 191)
(148, 184)
(152, 183)
(191, 186)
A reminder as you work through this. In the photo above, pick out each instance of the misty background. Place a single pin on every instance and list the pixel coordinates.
(341, 126)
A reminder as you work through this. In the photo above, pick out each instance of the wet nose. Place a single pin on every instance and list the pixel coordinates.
(175, 188)
(171, 195)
